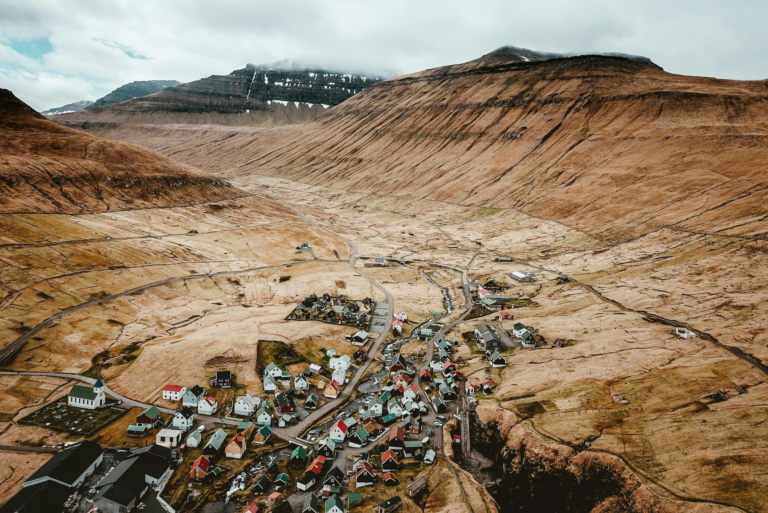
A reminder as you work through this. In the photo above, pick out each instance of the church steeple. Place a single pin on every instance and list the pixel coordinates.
(98, 387)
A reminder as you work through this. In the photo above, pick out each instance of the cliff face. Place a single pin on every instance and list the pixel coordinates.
(250, 96)
(48, 168)
(68, 108)
(607, 145)
(134, 90)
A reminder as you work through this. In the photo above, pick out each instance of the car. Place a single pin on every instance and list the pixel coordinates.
(438, 423)
(429, 432)
(425, 440)
(441, 418)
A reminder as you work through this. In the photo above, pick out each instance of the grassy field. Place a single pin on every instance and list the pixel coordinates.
(278, 352)
(61, 417)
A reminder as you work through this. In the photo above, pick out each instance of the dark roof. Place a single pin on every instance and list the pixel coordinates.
(335, 474)
(82, 392)
(223, 375)
(128, 474)
(281, 399)
(262, 482)
(117, 494)
(157, 450)
(45, 496)
(391, 502)
(69, 464)
(197, 390)
(186, 412)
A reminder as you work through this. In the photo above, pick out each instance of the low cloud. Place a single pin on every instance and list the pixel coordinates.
(97, 46)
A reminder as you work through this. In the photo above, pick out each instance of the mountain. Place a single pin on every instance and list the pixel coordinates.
(134, 90)
(68, 108)
(265, 95)
(516, 54)
(47, 168)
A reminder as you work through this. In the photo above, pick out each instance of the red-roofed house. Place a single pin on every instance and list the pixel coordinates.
(401, 316)
(411, 392)
(273, 498)
(252, 508)
(317, 465)
(173, 392)
(396, 438)
(332, 390)
(389, 461)
(469, 389)
(402, 380)
(505, 315)
(390, 479)
(199, 468)
(338, 432)
(365, 475)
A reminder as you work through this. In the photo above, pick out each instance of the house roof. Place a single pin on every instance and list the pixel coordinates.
(196, 390)
(151, 412)
(210, 400)
(414, 444)
(274, 495)
(299, 452)
(390, 476)
(397, 432)
(518, 326)
(310, 502)
(317, 465)
(253, 508)
(82, 392)
(69, 464)
(312, 397)
(265, 431)
(335, 474)
(392, 501)
(334, 501)
(282, 477)
(186, 412)
(389, 455)
(341, 425)
(195, 435)
(495, 356)
(202, 463)
(237, 441)
(46, 496)
(217, 439)
(262, 482)
(173, 388)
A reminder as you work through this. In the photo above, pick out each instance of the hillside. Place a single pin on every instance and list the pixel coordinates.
(252, 96)
(45, 167)
(68, 108)
(133, 90)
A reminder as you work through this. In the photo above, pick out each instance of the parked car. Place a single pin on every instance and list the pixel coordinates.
(429, 432)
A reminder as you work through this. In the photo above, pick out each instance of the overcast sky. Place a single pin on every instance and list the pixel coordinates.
(54, 52)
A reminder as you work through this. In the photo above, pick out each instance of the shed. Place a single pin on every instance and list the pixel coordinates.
(390, 504)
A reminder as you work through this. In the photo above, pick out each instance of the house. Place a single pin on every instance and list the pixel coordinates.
(438, 405)
(310, 403)
(262, 435)
(360, 336)
(284, 404)
(207, 405)
(365, 475)
(311, 504)
(389, 419)
(261, 486)
(396, 438)
(429, 457)
(327, 448)
(264, 415)
(338, 432)
(300, 382)
(448, 367)
(125, 485)
(173, 392)
(685, 333)
(497, 360)
(389, 460)
(402, 380)
(447, 393)
(246, 405)
(89, 398)
(397, 327)
(192, 396)
(399, 364)
(488, 387)
(298, 457)
(334, 477)
(394, 408)
(236, 447)
(334, 504)
(425, 333)
(343, 362)
(425, 375)
(273, 370)
(401, 316)
(311, 474)
(269, 384)
(390, 479)
(332, 390)
(194, 438)
(281, 481)
(359, 355)
(469, 389)
(199, 468)
(215, 443)
(168, 437)
(520, 276)
(416, 487)
(505, 315)
(252, 508)
(517, 330)
(339, 376)
(184, 419)
(354, 499)
(358, 438)
(390, 504)
(411, 391)
(527, 339)
(69, 467)
(413, 449)
(149, 417)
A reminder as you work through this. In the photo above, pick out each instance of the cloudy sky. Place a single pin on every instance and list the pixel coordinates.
(54, 52)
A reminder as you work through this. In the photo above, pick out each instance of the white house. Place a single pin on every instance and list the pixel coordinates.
(264, 416)
(518, 329)
(184, 419)
(412, 392)
(246, 405)
(192, 396)
(342, 362)
(339, 376)
(273, 370)
(520, 276)
(338, 432)
(394, 408)
(89, 398)
(173, 392)
(401, 316)
(685, 333)
(497, 360)
(300, 382)
(207, 405)
(194, 438)
(270, 385)
(334, 504)
(168, 437)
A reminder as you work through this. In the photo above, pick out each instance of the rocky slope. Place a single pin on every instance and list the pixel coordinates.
(133, 90)
(45, 167)
(254, 95)
(68, 108)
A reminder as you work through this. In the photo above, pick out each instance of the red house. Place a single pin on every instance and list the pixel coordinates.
(199, 468)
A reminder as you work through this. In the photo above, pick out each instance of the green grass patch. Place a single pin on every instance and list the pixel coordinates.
(60, 417)
(270, 351)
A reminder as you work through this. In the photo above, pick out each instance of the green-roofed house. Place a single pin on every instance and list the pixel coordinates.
(354, 499)
(274, 370)
(497, 360)
(281, 481)
(298, 457)
(311, 504)
(149, 417)
(216, 443)
(334, 504)
(86, 397)
(262, 435)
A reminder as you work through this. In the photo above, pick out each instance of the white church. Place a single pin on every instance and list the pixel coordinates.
(86, 397)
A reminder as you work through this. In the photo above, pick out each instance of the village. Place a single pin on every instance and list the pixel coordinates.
(362, 456)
